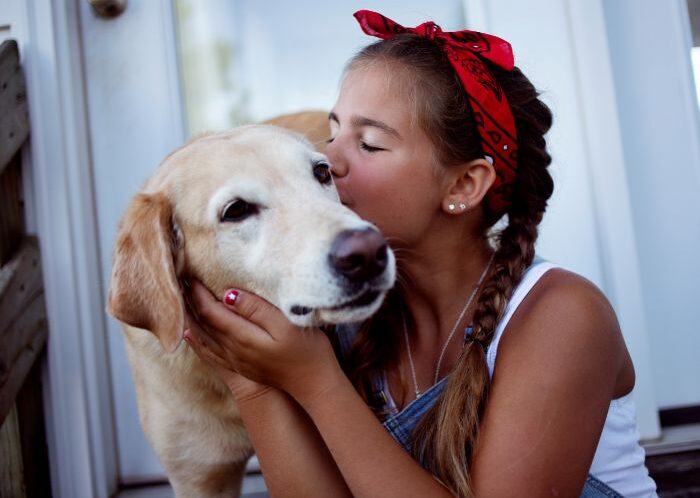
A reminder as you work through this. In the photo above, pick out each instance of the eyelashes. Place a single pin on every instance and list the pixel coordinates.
(363, 145)
(369, 148)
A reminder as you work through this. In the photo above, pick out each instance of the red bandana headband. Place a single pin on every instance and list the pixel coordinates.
(465, 51)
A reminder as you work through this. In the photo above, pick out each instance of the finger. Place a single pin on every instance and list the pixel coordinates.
(241, 331)
(200, 338)
(256, 310)
(206, 349)
(201, 332)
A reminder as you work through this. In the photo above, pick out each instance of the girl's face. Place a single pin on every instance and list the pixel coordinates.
(384, 165)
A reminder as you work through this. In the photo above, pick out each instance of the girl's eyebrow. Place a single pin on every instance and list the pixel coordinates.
(360, 121)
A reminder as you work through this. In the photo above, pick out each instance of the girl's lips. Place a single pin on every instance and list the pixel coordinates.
(345, 199)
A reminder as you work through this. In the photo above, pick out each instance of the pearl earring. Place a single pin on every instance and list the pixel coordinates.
(451, 207)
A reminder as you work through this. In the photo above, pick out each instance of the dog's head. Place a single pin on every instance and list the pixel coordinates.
(254, 208)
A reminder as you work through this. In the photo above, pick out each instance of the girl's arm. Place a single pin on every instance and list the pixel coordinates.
(557, 366)
(340, 440)
(556, 373)
(293, 458)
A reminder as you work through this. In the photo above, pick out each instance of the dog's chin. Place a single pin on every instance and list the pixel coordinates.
(353, 311)
(350, 314)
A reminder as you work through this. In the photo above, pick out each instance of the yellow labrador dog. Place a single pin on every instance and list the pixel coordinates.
(253, 208)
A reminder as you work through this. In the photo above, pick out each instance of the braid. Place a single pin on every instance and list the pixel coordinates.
(445, 437)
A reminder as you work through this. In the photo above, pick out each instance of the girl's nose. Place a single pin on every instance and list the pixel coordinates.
(339, 165)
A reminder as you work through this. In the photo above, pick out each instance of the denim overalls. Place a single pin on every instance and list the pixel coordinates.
(400, 424)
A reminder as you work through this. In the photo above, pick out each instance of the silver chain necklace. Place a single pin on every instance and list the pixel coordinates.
(449, 337)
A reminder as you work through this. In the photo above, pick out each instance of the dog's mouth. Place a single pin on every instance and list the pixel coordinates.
(364, 299)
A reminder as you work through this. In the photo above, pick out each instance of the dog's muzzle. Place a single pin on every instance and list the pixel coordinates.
(359, 259)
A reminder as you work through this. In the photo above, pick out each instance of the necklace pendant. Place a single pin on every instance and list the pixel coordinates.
(418, 394)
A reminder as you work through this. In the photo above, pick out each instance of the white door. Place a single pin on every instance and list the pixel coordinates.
(163, 70)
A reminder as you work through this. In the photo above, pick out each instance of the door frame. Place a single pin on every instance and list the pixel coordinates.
(60, 201)
(57, 165)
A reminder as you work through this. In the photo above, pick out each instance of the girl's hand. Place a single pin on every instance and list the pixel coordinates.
(211, 353)
(248, 335)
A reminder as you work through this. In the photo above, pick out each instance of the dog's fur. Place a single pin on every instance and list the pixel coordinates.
(173, 230)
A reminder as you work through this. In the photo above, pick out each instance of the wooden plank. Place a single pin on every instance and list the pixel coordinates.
(683, 415)
(32, 434)
(20, 281)
(23, 324)
(11, 209)
(14, 112)
(676, 474)
(11, 479)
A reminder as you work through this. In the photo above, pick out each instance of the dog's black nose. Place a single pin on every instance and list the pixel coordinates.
(358, 255)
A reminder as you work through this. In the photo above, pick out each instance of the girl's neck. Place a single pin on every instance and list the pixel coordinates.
(436, 283)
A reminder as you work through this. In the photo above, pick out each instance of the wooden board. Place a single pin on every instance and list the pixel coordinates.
(14, 113)
(11, 478)
(23, 324)
(32, 434)
(11, 209)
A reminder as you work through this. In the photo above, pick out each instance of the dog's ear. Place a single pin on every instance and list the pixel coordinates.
(144, 290)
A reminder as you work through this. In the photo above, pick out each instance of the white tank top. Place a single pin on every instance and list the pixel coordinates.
(619, 459)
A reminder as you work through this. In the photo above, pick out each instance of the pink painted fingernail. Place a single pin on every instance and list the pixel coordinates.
(230, 297)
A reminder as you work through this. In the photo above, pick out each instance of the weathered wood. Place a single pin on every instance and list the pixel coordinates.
(11, 478)
(23, 324)
(35, 451)
(11, 209)
(14, 112)
(677, 475)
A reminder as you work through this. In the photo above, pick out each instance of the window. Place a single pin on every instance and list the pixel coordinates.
(244, 61)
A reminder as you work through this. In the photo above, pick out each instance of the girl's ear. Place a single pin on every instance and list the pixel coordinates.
(469, 184)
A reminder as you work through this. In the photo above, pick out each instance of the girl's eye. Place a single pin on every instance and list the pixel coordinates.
(322, 172)
(239, 210)
(369, 148)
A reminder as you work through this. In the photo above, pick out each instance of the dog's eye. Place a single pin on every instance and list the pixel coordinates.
(238, 210)
(322, 172)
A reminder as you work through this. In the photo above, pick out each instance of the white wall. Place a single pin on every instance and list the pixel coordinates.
(650, 50)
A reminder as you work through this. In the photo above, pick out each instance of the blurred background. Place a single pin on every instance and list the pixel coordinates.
(112, 91)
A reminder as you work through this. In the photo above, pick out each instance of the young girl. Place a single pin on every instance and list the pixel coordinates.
(498, 374)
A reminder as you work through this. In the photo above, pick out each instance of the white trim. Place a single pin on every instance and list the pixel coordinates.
(133, 105)
(690, 95)
(476, 13)
(661, 135)
(78, 407)
(612, 200)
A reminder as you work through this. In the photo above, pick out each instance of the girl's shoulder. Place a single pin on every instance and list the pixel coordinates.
(564, 315)
(558, 363)
(560, 292)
